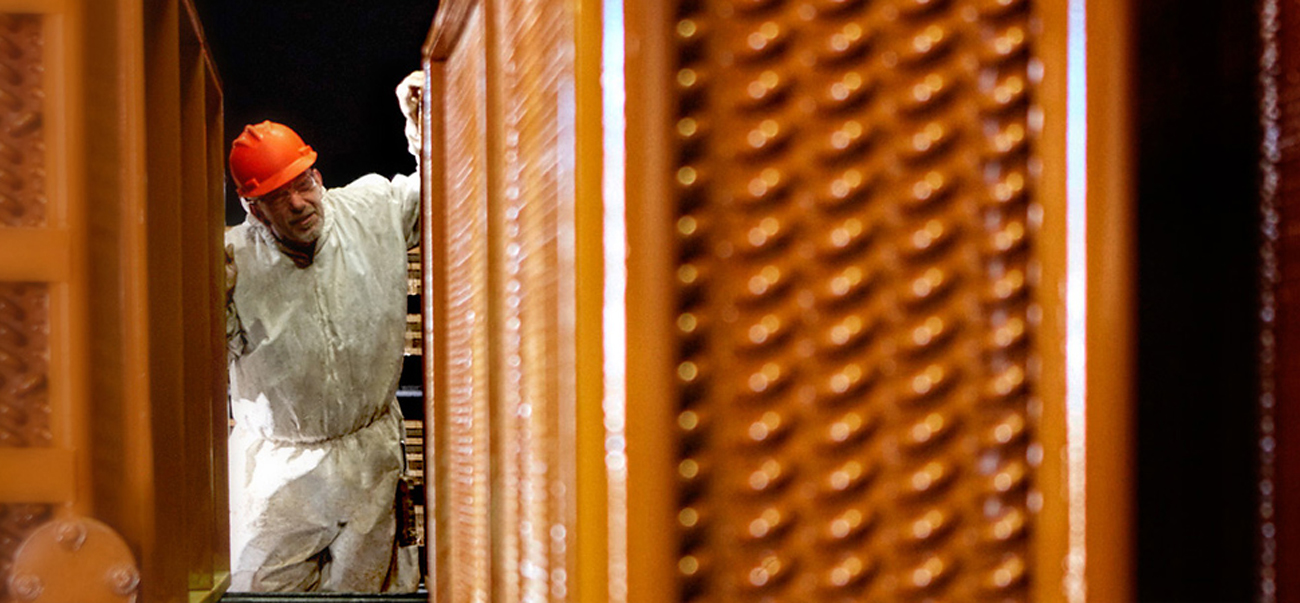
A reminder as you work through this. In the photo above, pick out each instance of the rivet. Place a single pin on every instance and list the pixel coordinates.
(26, 587)
(71, 535)
(124, 579)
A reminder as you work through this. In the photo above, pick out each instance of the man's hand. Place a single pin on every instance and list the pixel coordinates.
(408, 100)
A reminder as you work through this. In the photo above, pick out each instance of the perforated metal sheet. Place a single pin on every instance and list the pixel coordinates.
(467, 307)
(856, 239)
(537, 316)
(22, 101)
(24, 365)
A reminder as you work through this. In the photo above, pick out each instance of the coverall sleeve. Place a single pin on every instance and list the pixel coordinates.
(236, 338)
(406, 189)
(394, 202)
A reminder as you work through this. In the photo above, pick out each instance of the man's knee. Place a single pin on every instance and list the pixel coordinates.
(303, 576)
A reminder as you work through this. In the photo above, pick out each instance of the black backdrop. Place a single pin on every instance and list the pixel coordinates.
(1198, 222)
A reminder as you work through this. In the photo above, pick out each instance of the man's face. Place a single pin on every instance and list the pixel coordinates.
(293, 211)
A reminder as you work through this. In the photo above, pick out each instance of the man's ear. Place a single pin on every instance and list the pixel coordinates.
(256, 210)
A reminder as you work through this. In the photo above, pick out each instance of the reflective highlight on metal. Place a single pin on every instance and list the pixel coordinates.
(614, 316)
(1076, 309)
(1270, 156)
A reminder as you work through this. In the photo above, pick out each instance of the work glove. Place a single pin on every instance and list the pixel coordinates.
(232, 273)
(236, 340)
(408, 100)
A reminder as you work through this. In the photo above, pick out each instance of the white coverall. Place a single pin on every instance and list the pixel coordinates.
(315, 356)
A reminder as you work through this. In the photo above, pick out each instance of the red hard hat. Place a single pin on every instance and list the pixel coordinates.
(267, 155)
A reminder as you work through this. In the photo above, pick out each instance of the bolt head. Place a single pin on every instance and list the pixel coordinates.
(71, 535)
(26, 587)
(124, 579)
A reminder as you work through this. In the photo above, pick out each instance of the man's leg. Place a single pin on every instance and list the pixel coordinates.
(291, 566)
(275, 552)
(362, 561)
(364, 557)
(279, 538)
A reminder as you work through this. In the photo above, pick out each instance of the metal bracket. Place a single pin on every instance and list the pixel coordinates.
(74, 559)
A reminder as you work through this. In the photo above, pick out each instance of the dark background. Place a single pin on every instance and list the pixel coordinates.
(1198, 137)
(326, 69)
(329, 69)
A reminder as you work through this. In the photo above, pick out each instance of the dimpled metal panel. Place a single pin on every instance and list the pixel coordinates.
(855, 240)
(24, 365)
(22, 144)
(536, 344)
(24, 400)
(466, 315)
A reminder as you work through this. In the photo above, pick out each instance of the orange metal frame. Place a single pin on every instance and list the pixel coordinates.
(132, 255)
(1081, 547)
(541, 466)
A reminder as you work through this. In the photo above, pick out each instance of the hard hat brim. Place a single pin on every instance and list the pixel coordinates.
(291, 171)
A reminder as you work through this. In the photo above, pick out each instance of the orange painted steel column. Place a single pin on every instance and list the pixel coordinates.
(198, 253)
(433, 290)
(162, 285)
(1088, 166)
(1051, 547)
(594, 515)
(652, 573)
(218, 423)
(1112, 274)
(43, 387)
(122, 440)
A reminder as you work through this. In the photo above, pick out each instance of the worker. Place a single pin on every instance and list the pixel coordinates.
(316, 319)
